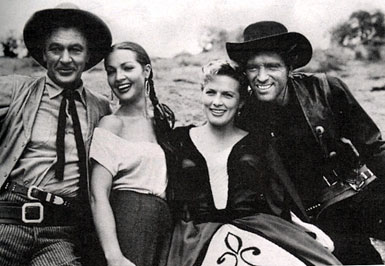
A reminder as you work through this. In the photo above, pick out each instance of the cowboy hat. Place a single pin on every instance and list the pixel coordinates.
(271, 36)
(44, 22)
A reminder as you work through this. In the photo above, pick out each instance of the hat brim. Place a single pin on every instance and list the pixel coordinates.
(41, 23)
(240, 52)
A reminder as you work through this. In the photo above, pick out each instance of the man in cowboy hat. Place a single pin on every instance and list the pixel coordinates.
(331, 148)
(45, 132)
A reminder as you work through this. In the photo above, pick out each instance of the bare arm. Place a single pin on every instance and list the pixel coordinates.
(103, 216)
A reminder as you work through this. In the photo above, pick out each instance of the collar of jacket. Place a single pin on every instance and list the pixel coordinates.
(313, 94)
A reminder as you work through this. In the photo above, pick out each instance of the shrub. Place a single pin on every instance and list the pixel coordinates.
(364, 32)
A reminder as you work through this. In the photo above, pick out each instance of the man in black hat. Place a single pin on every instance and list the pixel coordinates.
(331, 148)
(45, 132)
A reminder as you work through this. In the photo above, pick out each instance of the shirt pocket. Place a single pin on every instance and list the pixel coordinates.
(44, 131)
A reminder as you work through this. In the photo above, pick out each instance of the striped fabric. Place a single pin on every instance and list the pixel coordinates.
(36, 246)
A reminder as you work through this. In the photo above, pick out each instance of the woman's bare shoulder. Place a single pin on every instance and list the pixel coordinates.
(111, 123)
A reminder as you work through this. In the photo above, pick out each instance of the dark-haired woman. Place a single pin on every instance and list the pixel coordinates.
(231, 205)
(129, 177)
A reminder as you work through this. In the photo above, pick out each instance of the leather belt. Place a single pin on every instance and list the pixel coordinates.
(35, 193)
(342, 190)
(36, 214)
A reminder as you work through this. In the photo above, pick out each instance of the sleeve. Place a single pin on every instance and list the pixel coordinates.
(102, 152)
(105, 103)
(356, 125)
(6, 95)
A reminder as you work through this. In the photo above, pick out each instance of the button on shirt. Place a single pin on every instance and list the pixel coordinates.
(37, 164)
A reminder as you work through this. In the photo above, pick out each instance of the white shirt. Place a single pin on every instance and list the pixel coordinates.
(136, 166)
(219, 179)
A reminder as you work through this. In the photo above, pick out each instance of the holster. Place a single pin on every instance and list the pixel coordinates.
(344, 175)
(341, 190)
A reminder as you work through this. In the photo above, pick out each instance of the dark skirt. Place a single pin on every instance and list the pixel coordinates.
(143, 226)
(191, 243)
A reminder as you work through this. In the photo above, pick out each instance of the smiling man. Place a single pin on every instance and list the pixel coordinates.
(45, 132)
(66, 55)
(327, 142)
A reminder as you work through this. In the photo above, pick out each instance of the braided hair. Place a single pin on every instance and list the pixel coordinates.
(164, 118)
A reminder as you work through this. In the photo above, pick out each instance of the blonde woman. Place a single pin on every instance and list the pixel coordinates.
(229, 201)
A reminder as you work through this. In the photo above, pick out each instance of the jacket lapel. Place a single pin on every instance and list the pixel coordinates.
(316, 112)
(32, 105)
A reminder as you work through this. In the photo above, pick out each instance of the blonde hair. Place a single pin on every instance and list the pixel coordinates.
(225, 68)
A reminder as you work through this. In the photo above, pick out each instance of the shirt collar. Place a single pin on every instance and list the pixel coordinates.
(55, 90)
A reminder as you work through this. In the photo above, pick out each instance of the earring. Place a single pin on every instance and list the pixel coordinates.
(239, 112)
(112, 96)
(147, 87)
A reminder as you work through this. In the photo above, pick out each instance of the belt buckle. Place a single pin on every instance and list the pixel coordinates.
(24, 214)
(29, 192)
(357, 186)
(361, 179)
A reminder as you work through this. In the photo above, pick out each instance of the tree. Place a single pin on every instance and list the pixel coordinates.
(9, 47)
(13, 45)
(213, 38)
(362, 30)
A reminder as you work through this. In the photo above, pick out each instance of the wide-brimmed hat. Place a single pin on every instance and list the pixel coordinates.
(271, 36)
(43, 22)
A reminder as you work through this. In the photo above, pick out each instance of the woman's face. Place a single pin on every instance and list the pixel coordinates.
(126, 76)
(221, 100)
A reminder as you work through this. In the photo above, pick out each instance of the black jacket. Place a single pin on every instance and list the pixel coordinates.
(258, 182)
(324, 102)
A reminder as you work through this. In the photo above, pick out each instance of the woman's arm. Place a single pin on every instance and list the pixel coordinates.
(103, 216)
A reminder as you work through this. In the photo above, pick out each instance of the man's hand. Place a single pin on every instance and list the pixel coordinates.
(320, 236)
(121, 261)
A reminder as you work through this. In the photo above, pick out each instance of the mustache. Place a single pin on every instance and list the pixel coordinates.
(62, 66)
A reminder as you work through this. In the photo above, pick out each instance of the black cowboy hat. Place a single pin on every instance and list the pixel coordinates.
(271, 36)
(43, 22)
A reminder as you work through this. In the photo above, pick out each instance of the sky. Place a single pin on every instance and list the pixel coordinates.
(168, 27)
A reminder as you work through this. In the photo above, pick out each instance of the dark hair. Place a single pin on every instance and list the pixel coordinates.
(164, 118)
(225, 68)
(288, 56)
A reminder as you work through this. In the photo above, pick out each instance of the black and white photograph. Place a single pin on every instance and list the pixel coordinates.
(192, 132)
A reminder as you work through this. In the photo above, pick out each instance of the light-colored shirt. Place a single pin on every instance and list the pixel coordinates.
(136, 166)
(219, 178)
(37, 164)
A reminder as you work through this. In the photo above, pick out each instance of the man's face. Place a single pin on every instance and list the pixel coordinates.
(267, 75)
(66, 55)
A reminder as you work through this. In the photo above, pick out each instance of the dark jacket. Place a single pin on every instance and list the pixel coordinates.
(327, 102)
(258, 182)
(324, 102)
